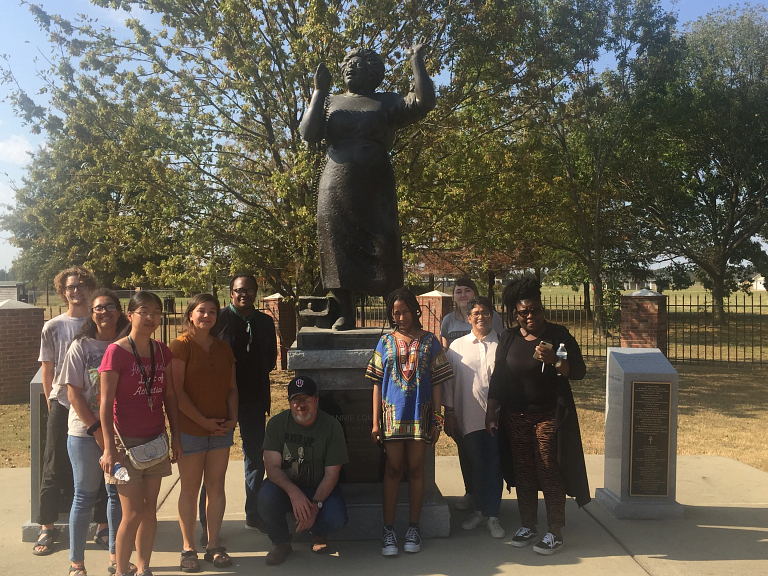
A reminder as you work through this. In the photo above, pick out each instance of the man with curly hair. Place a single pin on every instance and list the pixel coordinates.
(74, 285)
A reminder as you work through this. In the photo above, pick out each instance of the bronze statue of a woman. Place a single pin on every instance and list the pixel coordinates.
(357, 226)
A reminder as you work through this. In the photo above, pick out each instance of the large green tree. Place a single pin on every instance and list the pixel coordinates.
(696, 169)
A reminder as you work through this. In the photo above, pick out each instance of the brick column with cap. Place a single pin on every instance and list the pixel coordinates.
(435, 306)
(284, 314)
(20, 327)
(644, 320)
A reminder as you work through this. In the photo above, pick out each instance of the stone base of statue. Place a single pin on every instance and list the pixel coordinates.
(336, 361)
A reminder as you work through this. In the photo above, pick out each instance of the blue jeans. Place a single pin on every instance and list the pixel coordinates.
(274, 504)
(84, 454)
(252, 419)
(487, 480)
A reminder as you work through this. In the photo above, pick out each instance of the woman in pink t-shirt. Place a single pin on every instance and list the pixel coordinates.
(134, 393)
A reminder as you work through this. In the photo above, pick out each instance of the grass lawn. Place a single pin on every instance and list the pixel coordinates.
(723, 410)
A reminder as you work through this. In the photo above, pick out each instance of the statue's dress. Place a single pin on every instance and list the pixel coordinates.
(357, 225)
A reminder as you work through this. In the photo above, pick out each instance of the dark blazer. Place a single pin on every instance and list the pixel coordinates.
(570, 453)
(253, 366)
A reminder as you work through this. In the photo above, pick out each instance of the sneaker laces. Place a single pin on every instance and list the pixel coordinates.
(523, 532)
(389, 538)
(412, 535)
(549, 539)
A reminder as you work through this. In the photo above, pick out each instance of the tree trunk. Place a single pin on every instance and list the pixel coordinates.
(491, 284)
(718, 296)
(599, 318)
(587, 300)
(431, 282)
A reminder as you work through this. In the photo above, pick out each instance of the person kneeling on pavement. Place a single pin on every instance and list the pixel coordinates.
(304, 450)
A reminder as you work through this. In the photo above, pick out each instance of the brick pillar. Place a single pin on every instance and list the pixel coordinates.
(644, 321)
(435, 306)
(284, 314)
(20, 328)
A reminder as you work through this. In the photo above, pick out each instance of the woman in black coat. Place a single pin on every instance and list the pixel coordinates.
(531, 404)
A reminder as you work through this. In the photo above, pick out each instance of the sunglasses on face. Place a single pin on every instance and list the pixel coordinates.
(245, 291)
(530, 312)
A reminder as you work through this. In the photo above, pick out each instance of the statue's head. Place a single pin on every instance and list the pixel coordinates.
(362, 70)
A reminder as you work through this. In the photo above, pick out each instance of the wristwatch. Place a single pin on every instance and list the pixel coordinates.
(559, 363)
(319, 504)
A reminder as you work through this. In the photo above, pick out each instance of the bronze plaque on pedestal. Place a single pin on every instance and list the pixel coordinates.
(649, 441)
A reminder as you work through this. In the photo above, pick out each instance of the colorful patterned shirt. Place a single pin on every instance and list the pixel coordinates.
(406, 374)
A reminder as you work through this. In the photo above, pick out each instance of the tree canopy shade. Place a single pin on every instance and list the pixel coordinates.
(696, 169)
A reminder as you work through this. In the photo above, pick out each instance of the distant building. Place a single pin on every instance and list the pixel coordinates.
(758, 283)
(12, 290)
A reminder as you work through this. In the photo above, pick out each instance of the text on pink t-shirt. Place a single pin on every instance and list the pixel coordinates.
(133, 417)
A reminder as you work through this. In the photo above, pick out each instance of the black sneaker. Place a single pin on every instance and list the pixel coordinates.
(389, 543)
(523, 537)
(412, 540)
(549, 544)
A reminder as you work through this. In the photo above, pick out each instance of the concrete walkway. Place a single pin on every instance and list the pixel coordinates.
(725, 531)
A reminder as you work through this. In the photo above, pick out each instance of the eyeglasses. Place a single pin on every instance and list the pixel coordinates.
(530, 312)
(149, 315)
(72, 287)
(245, 292)
(483, 314)
(104, 308)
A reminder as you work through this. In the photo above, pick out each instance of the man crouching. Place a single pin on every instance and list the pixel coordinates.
(304, 450)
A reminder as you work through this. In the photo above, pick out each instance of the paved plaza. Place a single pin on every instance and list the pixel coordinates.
(725, 531)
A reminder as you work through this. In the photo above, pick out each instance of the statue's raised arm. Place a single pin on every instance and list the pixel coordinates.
(357, 225)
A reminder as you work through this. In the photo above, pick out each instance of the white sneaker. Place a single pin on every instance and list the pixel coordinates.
(466, 502)
(496, 530)
(473, 521)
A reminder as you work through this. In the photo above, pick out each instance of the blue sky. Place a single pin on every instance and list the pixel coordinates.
(26, 46)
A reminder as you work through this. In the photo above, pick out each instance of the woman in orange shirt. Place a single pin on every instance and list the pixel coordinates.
(204, 380)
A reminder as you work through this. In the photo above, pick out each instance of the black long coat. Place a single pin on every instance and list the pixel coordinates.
(570, 453)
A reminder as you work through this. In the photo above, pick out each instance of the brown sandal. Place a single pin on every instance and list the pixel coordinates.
(190, 558)
(218, 557)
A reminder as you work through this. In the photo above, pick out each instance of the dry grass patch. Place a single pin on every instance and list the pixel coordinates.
(723, 411)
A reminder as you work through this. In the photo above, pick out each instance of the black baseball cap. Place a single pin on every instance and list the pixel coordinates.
(301, 385)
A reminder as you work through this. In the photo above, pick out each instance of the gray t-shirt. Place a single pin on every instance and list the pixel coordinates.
(453, 327)
(81, 369)
(57, 335)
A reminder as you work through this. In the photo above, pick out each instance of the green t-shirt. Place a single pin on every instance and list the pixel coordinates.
(306, 450)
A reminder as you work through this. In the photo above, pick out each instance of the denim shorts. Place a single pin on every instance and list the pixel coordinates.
(195, 444)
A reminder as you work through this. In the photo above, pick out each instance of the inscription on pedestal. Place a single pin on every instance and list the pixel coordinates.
(352, 408)
(649, 444)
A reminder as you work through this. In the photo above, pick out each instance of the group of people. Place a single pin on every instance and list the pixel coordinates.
(110, 389)
(502, 395)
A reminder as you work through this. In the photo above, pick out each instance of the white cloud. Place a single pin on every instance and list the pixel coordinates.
(15, 150)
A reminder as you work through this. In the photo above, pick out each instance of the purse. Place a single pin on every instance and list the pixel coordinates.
(148, 454)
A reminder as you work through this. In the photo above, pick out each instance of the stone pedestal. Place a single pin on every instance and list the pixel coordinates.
(640, 436)
(336, 361)
(284, 315)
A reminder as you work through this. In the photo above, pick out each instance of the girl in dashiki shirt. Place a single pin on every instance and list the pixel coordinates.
(407, 368)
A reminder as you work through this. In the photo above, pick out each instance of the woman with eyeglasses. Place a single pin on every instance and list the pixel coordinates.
(531, 406)
(85, 444)
(204, 379)
(136, 396)
(454, 326)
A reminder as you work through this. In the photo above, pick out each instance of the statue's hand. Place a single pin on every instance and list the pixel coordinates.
(322, 77)
(417, 50)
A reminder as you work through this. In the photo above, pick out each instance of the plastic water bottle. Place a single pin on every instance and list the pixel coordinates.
(119, 472)
(562, 353)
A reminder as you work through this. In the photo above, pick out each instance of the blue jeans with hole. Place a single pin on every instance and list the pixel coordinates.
(274, 504)
(84, 454)
(487, 480)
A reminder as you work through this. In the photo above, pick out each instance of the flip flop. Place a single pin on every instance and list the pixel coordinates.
(218, 557)
(102, 539)
(47, 539)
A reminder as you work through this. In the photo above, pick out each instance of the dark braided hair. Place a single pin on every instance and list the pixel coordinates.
(525, 288)
(407, 297)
